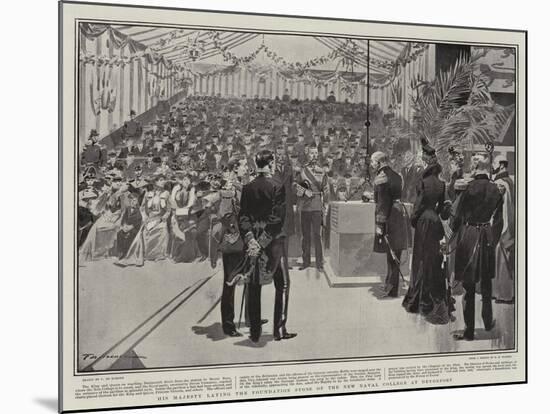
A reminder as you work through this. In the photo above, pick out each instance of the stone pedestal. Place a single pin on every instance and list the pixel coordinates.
(352, 261)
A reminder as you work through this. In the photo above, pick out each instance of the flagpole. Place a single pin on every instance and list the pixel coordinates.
(368, 97)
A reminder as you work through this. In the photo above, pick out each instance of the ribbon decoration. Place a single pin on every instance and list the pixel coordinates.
(103, 90)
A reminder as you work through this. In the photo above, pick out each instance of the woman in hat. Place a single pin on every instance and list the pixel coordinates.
(151, 243)
(101, 239)
(427, 288)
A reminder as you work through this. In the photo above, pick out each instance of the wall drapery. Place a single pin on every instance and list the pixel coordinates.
(117, 75)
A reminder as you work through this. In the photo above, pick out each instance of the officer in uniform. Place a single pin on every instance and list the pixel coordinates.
(261, 223)
(475, 251)
(284, 175)
(391, 224)
(313, 191)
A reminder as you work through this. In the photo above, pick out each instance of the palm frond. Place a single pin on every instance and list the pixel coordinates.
(437, 100)
(456, 108)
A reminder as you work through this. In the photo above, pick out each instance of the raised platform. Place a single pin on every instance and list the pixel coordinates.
(352, 261)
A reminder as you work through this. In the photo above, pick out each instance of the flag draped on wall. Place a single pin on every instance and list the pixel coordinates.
(117, 75)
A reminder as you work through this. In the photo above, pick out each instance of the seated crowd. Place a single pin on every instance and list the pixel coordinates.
(156, 191)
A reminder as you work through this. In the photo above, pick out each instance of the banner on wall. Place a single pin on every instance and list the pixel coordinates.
(498, 65)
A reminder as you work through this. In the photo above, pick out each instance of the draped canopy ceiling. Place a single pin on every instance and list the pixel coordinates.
(320, 53)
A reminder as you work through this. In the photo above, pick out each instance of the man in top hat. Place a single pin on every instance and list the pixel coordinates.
(503, 283)
(331, 98)
(475, 258)
(391, 226)
(92, 153)
(132, 128)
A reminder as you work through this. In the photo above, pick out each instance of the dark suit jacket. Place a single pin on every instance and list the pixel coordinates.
(262, 200)
(285, 178)
(475, 251)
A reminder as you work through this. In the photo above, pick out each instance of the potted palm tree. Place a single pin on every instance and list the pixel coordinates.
(456, 109)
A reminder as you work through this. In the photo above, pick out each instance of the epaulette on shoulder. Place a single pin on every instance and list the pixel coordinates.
(381, 178)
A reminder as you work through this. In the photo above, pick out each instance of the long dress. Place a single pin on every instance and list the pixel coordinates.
(101, 240)
(503, 283)
(130, 225)
(151, 242)
(427, 289)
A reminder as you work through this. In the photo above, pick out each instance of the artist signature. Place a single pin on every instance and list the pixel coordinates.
(92, 356)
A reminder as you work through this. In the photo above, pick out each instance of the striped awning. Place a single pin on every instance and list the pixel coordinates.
(173, 45)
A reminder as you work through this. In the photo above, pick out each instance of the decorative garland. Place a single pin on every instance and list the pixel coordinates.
(292, 71)
(321, 60)
(170, 38)
(230, 57)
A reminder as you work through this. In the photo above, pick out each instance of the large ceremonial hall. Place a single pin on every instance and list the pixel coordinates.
(162, 109)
